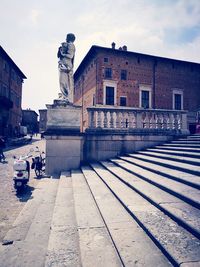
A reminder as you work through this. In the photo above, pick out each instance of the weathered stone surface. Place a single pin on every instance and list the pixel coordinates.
(63, 117)
(180, 244)
(63, 246)
(96, 245)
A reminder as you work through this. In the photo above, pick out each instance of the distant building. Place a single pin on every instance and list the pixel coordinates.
(117, 77)
(43, 120)
(29, 119)
(11, 79)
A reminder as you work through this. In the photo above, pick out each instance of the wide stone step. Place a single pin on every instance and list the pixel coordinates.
(193, 137)
(187, 143)
(96, 245)
(175, 242)
(178, 210)
(135, 248)
(184, 167)
(63, 246)
(175, 152)
(179, 148)
(28, 239)
(186, 193)
(193, 161)
(168, 172)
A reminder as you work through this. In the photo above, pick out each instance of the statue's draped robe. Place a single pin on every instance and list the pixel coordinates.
(65, 66)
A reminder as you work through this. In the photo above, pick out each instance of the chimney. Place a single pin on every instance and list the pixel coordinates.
(113, 45)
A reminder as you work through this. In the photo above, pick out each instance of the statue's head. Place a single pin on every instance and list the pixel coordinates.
(70, 37)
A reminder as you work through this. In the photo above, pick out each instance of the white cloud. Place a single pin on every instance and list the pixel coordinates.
(34, 16)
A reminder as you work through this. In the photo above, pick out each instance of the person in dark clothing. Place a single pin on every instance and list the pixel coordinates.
(2, 146)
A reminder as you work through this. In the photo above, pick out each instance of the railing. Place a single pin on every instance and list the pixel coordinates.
(136, 118)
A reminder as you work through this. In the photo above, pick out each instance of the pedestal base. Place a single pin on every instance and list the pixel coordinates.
(63, 137)
(63, 116)
(63, 153)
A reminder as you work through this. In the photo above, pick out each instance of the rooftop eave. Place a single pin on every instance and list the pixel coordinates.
(3, 52)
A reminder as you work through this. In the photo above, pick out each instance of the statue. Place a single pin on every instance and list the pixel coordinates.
(66, 54)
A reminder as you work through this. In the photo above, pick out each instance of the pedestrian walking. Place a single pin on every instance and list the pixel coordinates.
(2, 146)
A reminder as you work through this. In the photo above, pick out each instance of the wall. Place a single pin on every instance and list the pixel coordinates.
(66, 152)
(11, 79)
(162, 75)
(102, 145)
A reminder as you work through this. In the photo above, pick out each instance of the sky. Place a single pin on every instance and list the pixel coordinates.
(32, 30)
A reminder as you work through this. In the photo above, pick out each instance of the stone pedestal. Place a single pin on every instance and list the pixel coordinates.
(63, 137)
(63, 116)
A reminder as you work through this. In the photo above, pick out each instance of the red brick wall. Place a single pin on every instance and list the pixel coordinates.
(11, 79)
(162, 75)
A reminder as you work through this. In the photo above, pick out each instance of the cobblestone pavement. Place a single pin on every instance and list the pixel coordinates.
(11, 203)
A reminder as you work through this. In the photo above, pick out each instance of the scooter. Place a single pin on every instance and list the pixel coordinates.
(38, 163)
(21, 168)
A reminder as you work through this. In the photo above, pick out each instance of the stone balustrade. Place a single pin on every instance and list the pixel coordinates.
(136, 118)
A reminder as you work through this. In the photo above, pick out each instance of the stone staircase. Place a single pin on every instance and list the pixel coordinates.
(141, 209)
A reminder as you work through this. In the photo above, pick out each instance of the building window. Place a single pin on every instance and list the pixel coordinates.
(177, 99)
(123, 101)
(5, 67)
(110, 93)
(108, 73)
(145, 96)
(105, 59)
(123, 74)
(12, 96)
(145, 99)
(4, 91)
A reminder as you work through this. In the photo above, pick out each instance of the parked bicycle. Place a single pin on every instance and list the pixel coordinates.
(38, 163)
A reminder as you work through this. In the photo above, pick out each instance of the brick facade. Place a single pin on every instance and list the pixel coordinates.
(11, 79)
(43, 120)
(29, 119)
(130, 74)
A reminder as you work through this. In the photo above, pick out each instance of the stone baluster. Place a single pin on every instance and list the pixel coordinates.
(118, 121)
(184, 122)
(162, 121)
(157, 121)
(172, 121)
(175, 122)
(105, 119)
(111, 119)
(145, 120)
(134, 119)
(91, 114)
(130, 119)
(98, 118)
(152, 121)
(123, 120)
(179, 121)
(168, 121)
(139, 123)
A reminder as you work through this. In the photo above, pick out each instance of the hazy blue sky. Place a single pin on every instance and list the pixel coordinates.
(32, 30)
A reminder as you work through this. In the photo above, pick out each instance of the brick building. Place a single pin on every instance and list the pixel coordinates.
(109, 76)
(43, 120)
(11, 79)
(29, 119)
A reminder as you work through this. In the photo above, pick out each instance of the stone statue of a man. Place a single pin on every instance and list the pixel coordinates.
(66, 53)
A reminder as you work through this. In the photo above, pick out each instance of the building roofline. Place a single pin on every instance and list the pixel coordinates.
(30, 110)
(94, 49)
(2, 51)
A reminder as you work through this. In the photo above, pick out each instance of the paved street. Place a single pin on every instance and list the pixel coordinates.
(11, 203)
